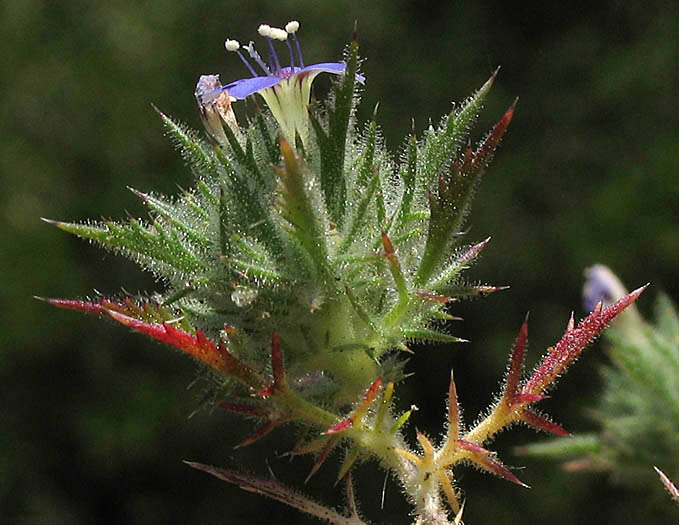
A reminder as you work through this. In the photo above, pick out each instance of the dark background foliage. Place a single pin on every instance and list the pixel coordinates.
(94, 420)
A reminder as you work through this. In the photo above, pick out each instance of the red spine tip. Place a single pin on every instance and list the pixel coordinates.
(340, 427)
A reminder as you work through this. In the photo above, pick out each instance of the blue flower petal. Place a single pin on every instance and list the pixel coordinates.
(247, 86)
(331, 67)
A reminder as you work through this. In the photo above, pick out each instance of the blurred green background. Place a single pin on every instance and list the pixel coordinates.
(95, 419)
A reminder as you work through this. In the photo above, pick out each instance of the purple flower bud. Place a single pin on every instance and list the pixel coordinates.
(601, 285)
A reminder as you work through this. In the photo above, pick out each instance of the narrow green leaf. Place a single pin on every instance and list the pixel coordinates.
(333, 149)
(408, 174)
(358, 308)
(177, 295)
(359, 219)
(400, 421)
(367, 167)
(170, 213)
(443, 145)
(133, 239)
(271, 146)
(192, 202)
(399, 239)
(425, 334)
(248, 250)
(223, 219)
(206, 193)
(196, 154)
(381, 209)
(249, 211)
(400, 309)
(252, 270)
(302, 214)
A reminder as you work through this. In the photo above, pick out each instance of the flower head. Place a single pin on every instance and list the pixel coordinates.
(286, 90)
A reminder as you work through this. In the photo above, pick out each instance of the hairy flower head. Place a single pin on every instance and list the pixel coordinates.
(286, 90)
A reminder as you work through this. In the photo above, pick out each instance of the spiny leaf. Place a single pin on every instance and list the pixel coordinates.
(196, 154)
(401, 420)
(273, 489)
(308, 447)
(171, 214)
(299, 210)
(358, 222)
(348, 462)
(425, 334)
(327, 449)
(408, 174)
(442, 145)
(271, 145)
(261, 432)
(279, 384)
(485, 151)
(197, 346)
(401, 285)
(252, 271)
(456, 188)
(463, 291)
(669, 485)
(333, 142)
(251, 212)
(541, 422)
(133, 239)
(573, 343)
(367, 168)
(513, 377)
(453, 411)
(150, 313)
(384, 406)
(449, 491)
(484, 458)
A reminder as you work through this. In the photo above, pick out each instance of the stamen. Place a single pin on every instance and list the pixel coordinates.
(278, 34)
(273, 57)
(292, 57)
(266, 31)
(292, 27)
(281, 35)
(250, 48)
(233, 45)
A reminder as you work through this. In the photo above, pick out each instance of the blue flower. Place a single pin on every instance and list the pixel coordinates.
(286, 90)
(601, 285)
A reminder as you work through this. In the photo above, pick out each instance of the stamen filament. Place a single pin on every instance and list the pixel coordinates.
(234, 47)
(299, 50)
(250, 48)
(292, 58)
(247, 64)
(266, 31)
(273, 57)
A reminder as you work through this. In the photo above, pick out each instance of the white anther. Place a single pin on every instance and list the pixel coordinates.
(231, 45)
(278, 34)
(292, 26)
(264, 30)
